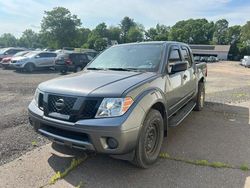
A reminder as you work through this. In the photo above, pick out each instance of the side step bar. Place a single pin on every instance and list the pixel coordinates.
(181, 114)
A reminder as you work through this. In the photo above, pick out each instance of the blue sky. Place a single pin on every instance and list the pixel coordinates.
(17, 15)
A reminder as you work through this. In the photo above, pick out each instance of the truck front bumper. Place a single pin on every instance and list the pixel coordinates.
(107, 135)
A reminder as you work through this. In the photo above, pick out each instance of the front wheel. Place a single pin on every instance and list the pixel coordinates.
(150, 140)
(200, 98)
(29, 67)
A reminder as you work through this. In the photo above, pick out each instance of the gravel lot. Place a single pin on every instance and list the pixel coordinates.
(16, 91)
(219, 133)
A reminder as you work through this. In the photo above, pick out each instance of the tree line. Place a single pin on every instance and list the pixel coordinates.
(60, 28)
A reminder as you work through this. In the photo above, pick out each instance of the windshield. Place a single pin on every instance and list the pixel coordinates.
(22, 53)
(2, 50)
(141, 57)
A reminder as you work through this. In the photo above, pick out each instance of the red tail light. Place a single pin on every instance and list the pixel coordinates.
(68, 62)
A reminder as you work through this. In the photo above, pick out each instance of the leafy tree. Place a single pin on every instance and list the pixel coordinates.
(101, 30)
(7, 40)
(125, 25)
(233, 38)
(114, 33)
(82, 36)
(134, 35)
(192, 31)
(29, 39)
(160, 33)
(244, 46)
(100, 44)
(59, 26)
(220, 32)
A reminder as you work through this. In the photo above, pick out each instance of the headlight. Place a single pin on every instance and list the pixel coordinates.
(111, 107)
(21, 61)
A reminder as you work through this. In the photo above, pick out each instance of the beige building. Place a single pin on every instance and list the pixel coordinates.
(219, 51)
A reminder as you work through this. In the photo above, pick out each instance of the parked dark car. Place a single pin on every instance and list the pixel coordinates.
(73, 61)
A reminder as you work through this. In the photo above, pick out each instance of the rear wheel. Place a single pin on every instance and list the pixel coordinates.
(200, 98)
(29, 67)
(63, 71)
(150, 140)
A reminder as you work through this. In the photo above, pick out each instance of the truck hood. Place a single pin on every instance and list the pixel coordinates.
(95, 83)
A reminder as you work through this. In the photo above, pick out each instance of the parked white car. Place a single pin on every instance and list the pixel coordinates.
(245, 61)
(34, 60)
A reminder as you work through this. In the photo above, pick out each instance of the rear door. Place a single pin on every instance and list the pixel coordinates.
(189, 78)
(43, 59)
(85, 60)
(51, 59)
(174, 89)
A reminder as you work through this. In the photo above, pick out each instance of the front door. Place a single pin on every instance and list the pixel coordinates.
(174, 81)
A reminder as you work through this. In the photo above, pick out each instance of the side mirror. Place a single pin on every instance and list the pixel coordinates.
(179, 66)
(37, 56)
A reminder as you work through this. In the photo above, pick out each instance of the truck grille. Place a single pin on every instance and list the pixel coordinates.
(89, 110)
(67, 104)
(62, 107)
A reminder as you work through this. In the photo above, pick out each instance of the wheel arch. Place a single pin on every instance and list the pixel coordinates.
(153, 98)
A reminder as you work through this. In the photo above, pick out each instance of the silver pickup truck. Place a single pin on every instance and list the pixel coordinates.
(123, 102)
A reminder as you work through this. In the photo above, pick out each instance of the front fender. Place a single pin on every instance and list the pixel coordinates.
(150, 97)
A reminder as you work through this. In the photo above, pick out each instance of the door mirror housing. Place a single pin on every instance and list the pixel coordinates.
(179, 66)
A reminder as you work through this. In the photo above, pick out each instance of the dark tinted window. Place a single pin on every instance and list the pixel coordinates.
(46, 55)
(83, 57)
(174, 57)
(90, 57)
(13, 51)
(43, 55)
(186, 55)
(52, 55)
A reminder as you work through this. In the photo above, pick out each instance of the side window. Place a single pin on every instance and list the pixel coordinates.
(186, 55)
(42, 55)
(52, 55)
(83, 57)
(90, 57)
(174, 57)
(11, 51)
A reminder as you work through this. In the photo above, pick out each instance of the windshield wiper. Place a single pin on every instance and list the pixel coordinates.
(123, 69)
(94, 68)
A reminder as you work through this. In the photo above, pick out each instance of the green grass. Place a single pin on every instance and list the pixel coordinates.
(34, 143)
(243, 167)
(59, 175)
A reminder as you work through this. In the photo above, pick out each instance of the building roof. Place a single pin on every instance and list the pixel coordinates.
(211, 48)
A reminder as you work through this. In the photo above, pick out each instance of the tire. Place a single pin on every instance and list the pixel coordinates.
(29, 67)
(64, 71)
(150, 140)
(200, 98)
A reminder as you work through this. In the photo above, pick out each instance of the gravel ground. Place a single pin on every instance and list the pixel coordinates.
(17, 89)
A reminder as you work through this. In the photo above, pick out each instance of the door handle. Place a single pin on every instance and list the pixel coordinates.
(184, 76)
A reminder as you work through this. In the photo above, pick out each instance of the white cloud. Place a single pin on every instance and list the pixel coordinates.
(28, 14)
